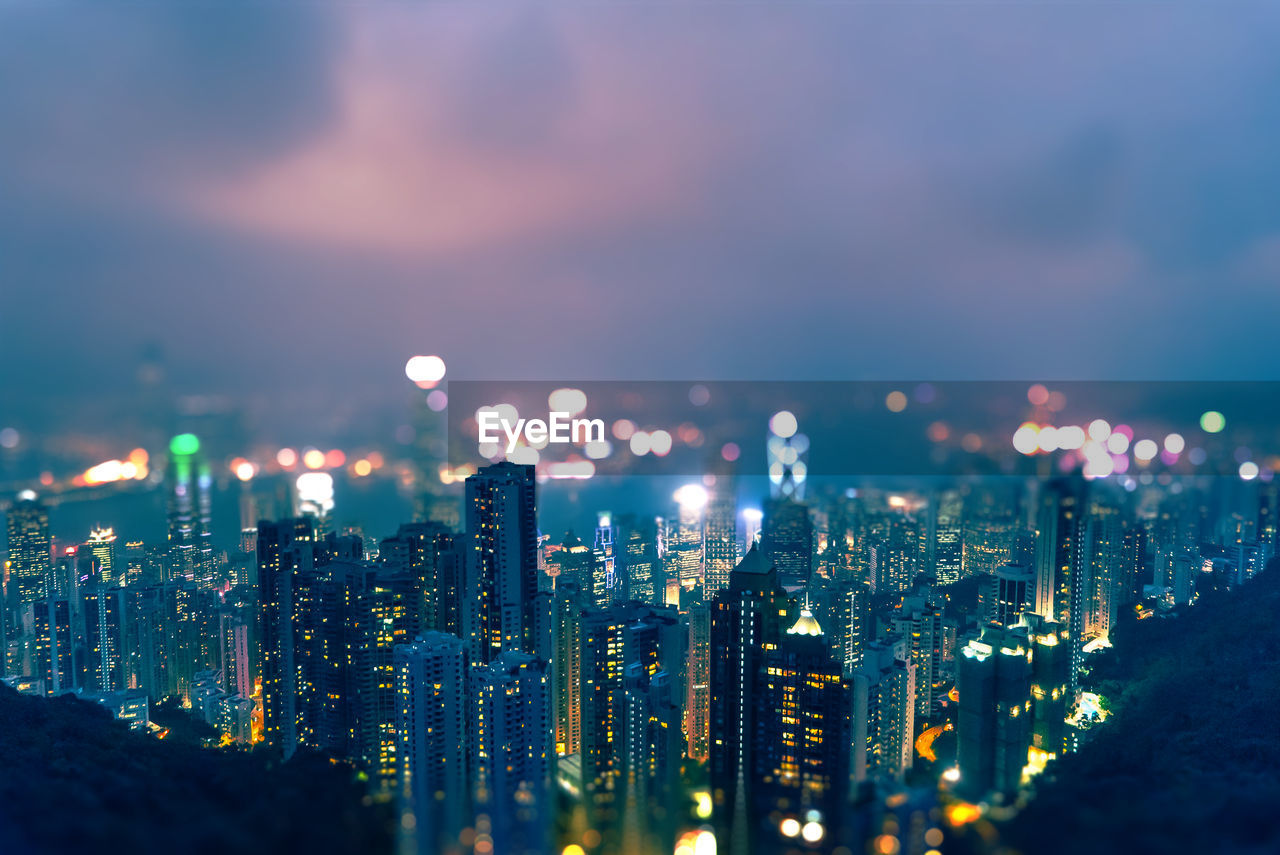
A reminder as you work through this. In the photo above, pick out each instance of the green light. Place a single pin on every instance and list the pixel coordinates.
(184, 444)
(1212, 421)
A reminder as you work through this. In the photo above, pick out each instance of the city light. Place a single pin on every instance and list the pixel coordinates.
(1212, 421)
(783, 424)
(691, 497)
(425, 371)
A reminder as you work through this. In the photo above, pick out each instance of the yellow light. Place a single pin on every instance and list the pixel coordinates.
(962, 813)
(362, 468)
(789, 827)
(703, 807)
(313, 459)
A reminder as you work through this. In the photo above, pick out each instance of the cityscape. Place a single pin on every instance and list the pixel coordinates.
(754, 664)
(745, 427)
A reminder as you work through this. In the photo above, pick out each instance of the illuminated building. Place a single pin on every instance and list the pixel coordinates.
(698, 683)
(994, 722)
(54, 645)
(638, 557)
(612, 640)
(566, 667)
(285, 549)
(233, 651)
(805, 706)
(433, 556)
(843, 607)
(102, 545)
(748, 619)
(1061, 561)
(1050, 676)
(576, 564)
(189, 501)
(919, 623)
(722, 536)
(1104, 539)
(30, 560)
(511, 753)
(685, 547)
(431, 710)
(610, 585)
(987, 544)
(884, 705)
(102, 614)
(1010, 593)
(948, 538)
(786, 537)
(347, 615)
(501, 568)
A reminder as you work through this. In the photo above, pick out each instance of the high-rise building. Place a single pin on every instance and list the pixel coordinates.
(511, 753)
(804, 759)
(697, 704)
(884, 705)
(995, 720)
(432, 708)
(501, 568)
(286, 549)
(612, 640)
(102, 545)
(948, 538)
(919, 623)
(1011, 593)
(433, 556)
(566, 667)
(638, 560)
(748, 618)
(611, 584)
(722, 536)
(188, 485)
(1061, 562)
(30, 557)
(787, 538)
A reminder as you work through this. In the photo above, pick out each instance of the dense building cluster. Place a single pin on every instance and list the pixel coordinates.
(848, 670)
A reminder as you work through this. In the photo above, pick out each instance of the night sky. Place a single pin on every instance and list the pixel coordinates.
(289, 199)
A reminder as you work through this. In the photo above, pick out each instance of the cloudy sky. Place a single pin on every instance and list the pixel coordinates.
(300, 195)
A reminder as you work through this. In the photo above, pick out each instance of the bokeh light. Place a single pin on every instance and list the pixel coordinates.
(783, 424)
(1212, 421)
(426, 371)
(895, 401)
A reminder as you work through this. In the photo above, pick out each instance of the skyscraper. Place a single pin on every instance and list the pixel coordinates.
(30, 559)
(188, 485)
(722, 536)
(432, 706)
(511, 753)
(884, 705)
(501, 569)
(994, 722)
(804, 719)
(747, 619)
(787, 538)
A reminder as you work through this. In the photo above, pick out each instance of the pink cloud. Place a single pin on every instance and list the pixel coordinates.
(397, 171)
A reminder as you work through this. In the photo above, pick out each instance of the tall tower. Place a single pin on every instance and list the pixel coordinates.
(994, 721)
(30, 559)
(285, 549)
(787, 538)
(1061, 562)
(722, 536)
(511, 753)
(501, 575)
(432, 705)
(188, 484)
(805, 721)
(884, 705)
(747, 619)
